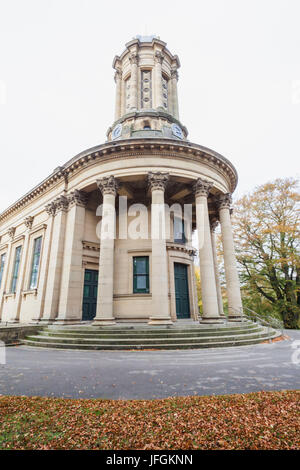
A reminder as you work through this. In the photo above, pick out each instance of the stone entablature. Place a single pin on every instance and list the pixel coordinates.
(127, 149)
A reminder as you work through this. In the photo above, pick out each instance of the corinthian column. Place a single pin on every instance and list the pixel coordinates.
(213, 227)
(105, 316)
(207, 270)
(118, 80)
(134, 81)
(70, 299)
(159, 284)
(158, 59)
(235, 309)
(174, 79)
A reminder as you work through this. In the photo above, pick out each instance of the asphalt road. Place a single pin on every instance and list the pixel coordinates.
(150, 374)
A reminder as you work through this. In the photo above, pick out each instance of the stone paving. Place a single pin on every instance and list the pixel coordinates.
(150, 374)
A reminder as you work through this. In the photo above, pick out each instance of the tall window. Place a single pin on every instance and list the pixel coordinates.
(127, 95)
(146, 89)
(179, 236)
(140, 274)
(165, 92)
(14, 280)
(35, 263)
(2, 264)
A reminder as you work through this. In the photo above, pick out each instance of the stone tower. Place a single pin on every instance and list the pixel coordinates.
(146, 92)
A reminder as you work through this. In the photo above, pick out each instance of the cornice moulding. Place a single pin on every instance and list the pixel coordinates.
(125, 148)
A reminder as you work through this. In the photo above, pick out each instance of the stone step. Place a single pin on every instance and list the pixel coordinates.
(141, 335)
(150, 331)
(162, 346)
(150, 341)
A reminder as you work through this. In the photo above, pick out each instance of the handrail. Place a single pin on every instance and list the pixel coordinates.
(271, 322)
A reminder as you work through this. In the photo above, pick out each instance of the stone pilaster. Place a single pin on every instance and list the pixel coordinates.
(159, 279)
(174, 80)
(105, 315)
(23, 265)
(158, 60)
(4, 283)
(134, 81)
(213, 226)
(235, 309)
(118, 80)
(70, 299)
(207, 270)
(57, 210)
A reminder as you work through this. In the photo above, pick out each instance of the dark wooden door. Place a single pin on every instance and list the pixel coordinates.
(90, 289)
(181, 291)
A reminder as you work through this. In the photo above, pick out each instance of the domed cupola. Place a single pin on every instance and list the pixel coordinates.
(146, 92)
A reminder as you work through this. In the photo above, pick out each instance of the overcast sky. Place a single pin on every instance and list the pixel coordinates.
(239, 82)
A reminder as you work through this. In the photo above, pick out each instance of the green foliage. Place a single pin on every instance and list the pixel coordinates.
(266, 226)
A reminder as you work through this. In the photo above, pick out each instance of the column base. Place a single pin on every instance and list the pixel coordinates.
(67, 321)
(104, 322)
(43, 321)
(235, 319)
(212, 320)
(160, 321)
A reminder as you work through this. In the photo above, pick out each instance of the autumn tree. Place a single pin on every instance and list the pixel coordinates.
(266, 224)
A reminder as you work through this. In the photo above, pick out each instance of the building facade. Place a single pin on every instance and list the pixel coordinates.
(81, 245)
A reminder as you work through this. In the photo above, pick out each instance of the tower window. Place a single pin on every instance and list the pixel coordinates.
(146, 89)
(165, 84)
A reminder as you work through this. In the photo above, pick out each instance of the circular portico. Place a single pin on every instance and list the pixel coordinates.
(129, 180)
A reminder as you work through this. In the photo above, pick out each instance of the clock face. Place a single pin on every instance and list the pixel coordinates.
(117, 131)
(177, 131)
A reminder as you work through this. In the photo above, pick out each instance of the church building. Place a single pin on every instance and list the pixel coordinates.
(58, 264)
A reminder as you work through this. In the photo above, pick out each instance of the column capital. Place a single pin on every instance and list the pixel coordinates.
(214, 222)
(224, 201)
(174, 73)
(108, 185)
(28, 222)
(51, 209)
(61, 203)
(158, 57)
(118, 74)
(78, 198)
(134, 58)
(11, 232)
(202, 187)
(158, 180)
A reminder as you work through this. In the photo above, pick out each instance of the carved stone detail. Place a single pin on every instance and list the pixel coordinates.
(28, 222)
(202, 187)
(79, 198)
(158, 180)
(62, 203)
(51, 209)
(174, 74)
(224, 201)
(108, 185)
(118, 74)
(213, 224)
(158, 57)
(134, 58)
(11, 232)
